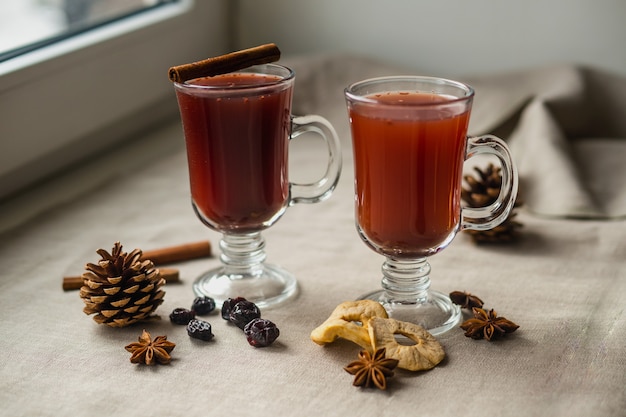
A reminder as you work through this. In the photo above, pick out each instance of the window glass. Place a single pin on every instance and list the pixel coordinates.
(29, 24)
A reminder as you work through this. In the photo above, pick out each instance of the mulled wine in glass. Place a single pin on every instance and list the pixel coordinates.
(237, 129)
(409, 137)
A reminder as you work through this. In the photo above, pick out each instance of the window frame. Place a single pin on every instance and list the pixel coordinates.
(66, 101)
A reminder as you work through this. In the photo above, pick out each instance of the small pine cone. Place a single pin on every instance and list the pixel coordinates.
(482, 191)
(121, 289)
(507, 231)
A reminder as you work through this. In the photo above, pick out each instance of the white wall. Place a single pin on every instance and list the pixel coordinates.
(445, 37)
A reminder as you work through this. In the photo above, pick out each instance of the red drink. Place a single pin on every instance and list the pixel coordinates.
(237, 134)
(409, 150)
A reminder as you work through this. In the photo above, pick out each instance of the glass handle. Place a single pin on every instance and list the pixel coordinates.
(322, 188)
(488, 217)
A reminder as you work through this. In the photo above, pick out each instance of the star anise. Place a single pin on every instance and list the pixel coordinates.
(150, 351)
(372, 370)
(465, 299)
(487, 324)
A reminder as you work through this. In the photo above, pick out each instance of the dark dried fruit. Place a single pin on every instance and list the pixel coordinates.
(243, 313)
(200, 329)
(261, 332)
(203, 305)
(228, 305)
(182, 316)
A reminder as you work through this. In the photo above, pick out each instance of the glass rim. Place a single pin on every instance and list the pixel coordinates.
(254, 69)
(366, 98)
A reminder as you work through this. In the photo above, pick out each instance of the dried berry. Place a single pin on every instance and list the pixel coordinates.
(243, 313)
(228, 305)
(182, 316)
(203, 305)
(261, 332)
(199, 329)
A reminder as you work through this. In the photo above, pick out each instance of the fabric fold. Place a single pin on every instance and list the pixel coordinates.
(566, 126)
(555, 110)
(550, 183)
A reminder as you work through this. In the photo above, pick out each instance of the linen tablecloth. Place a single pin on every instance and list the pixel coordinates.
(563, 283)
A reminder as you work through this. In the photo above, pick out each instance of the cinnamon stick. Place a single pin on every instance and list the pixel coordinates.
(74, 283)
(161, 256)
(178, 253)
(223, 64)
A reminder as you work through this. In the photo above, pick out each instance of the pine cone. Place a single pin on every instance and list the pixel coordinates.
(483, 191)
(121, 289)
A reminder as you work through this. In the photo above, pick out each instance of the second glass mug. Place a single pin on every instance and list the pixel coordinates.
(409, 136)
(237, 128)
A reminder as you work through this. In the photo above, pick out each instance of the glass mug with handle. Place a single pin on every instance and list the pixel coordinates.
(237, 128)
(409, 138)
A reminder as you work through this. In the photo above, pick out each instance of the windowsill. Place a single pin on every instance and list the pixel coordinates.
(84, 178)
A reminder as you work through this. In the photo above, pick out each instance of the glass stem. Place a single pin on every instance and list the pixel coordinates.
(242, 255)
(406, 281)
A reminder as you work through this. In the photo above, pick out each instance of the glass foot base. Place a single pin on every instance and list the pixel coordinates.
(437, 313)
(268, 287)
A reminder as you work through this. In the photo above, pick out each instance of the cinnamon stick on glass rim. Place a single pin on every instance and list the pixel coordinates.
(223, 64)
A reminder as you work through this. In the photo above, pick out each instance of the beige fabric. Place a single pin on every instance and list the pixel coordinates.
(564, 284)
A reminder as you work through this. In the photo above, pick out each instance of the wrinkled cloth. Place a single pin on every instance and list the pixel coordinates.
(565, 125)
